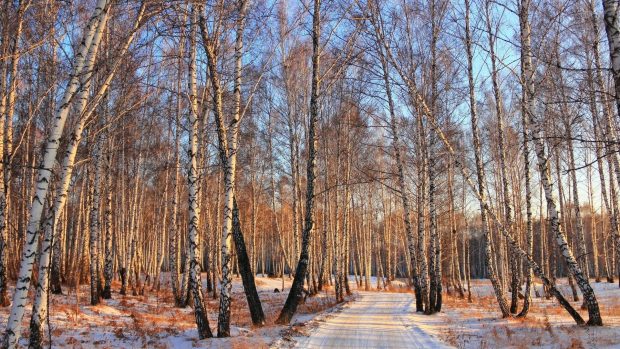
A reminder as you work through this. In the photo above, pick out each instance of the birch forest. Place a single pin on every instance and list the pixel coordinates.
(309, 173)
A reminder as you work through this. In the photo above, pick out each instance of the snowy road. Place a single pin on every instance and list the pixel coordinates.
(374, 320)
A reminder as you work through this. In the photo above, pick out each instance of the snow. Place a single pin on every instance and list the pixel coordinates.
(479, 324)
(374, 320)
(152, 321)
(368, 319)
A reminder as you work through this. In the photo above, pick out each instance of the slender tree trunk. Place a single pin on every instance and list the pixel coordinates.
(84, 60)
(295, 294)
(247, 276)
(346, 227)
(527, 106)
(536, 125)
(499, 106)
(8, 106)
(481, 191)
(435, 296)
(4, 236)
(108, 267)
(420, 292)
(195, 284)
(173, 233)
(612, 28)
(420, 257)
(324, 275)
(95, 226)
(336, 236)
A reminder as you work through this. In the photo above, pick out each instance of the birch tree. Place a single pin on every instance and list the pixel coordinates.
(195, 284)
(228, 134)
(536, 124)
(499, 112)
(295, 293)
(84, 61)
(612, 28)
(481, 191)
(527, 106)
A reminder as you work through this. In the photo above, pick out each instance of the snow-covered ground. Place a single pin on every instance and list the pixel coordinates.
(389, 319)
(152, 321)
(373, 320)
(367, 318)
(478, 325)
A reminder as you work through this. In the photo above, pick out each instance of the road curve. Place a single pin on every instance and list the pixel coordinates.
(373, 320)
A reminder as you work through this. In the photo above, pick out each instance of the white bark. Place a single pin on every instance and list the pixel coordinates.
(480, 190)
(108, 267)
(415, 94)
(95, 225)
(49, 227)
(8, 105)
(526, 108)
(612, 27)
(396, 146)
(536, 124)
(84, 58)
(4, 299)
(195, 284)
(227, 143)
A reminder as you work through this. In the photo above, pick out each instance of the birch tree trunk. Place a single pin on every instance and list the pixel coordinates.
(324, 275)
(499, 111)
(4, 44)
(84, 61)
(173, 233)
(108, 268)
(227, 144)
(420, 254)
(421, 293)
(295, 293)
(294, 163)
(527, 106)
(481, 191)
(195, 284)
(247, 275)
(336, 236)
(611, 9)
(8, 105)
(536, 124)
(581, 240)
(435, 296)
(95, 225)
(612, 27)
(346, 226)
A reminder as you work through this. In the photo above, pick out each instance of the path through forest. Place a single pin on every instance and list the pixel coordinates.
(373, 320)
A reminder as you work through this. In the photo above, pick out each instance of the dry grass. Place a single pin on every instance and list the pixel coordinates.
(240, 344)
(316, 304)
(576, 344)
(611, 308)
(391, 288)
(479, 324)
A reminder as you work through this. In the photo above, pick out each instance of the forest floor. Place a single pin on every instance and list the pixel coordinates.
(478, 325)
(151, 320)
